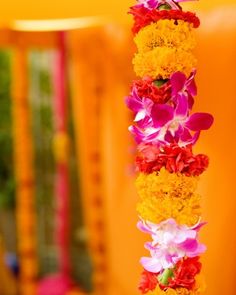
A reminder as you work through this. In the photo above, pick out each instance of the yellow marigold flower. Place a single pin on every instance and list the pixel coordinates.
(165, 33)
(161, 62)
(178, 291)
(199, 289)
(165, 184)
(168, 195)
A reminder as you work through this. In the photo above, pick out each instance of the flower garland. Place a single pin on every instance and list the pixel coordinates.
(166, 130)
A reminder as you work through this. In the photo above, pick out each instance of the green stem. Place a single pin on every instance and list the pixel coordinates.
(165, 276)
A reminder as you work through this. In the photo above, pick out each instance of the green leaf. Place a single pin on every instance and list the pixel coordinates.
(160, 82)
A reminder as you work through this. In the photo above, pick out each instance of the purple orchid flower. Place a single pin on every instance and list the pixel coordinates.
(173, 124)
(142, 107)
(170, 243)
(153, 4)
(184, 87)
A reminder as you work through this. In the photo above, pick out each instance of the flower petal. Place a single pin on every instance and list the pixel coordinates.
(140, 116)
(194, 138)
(199, 121)
(199, 225)
(191, 84)
(190, 101)
(133, 103)
(189, 245)
(185, 135)
(138, 134)
(144, 123)
(182, 106)
(177, 80)
(148, 135)
(199, 250)
(151, 264)
(144, 227)
(161, 114)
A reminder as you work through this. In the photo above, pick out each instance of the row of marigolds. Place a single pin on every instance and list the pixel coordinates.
(165, 130)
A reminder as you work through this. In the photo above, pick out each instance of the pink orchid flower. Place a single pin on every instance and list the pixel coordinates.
(173, 124)
(170, 243)
(142, 107)
(183, 87)
(153, 4)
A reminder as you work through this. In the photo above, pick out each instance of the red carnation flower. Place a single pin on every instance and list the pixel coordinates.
(185, 273)
(146, 88)
(144, 17)
(174, 158)
(148, 282)
(199, 165)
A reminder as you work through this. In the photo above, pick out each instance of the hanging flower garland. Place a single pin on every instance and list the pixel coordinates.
(165, 129)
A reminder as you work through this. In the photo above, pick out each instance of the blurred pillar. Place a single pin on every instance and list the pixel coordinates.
(24, 173)
(87, 50)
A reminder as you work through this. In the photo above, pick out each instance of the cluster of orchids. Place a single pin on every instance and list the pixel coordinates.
(166, 129)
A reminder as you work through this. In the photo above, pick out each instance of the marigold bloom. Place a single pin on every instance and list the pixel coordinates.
(166, 184)
(166, 33)
(162, 62)
(178, 291)
(164, 195)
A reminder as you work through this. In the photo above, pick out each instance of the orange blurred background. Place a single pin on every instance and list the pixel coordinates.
(109, 48)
